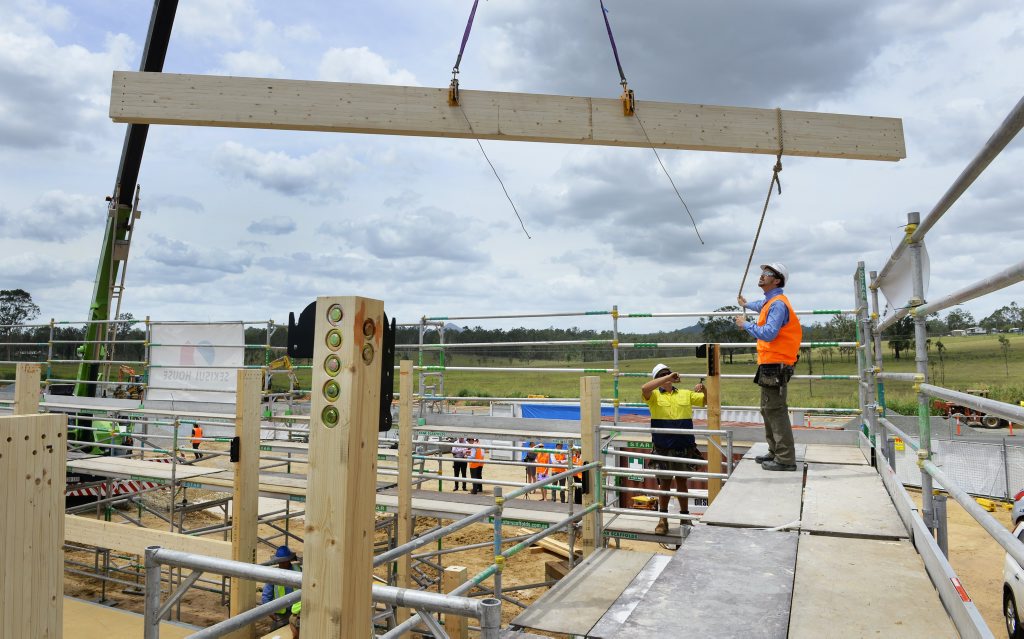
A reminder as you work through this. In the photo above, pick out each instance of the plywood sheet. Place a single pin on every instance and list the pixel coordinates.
(138, 469)
(849, 501)
(299, 105)
(588, 591)
(826, 454)
(866, 587)
(723, 582)
(84, 620)
(755, 497)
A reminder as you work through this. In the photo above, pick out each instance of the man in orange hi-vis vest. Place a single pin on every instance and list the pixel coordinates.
(778, 336)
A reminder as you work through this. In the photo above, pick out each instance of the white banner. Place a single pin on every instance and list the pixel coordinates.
(898, 285)
(195, 362)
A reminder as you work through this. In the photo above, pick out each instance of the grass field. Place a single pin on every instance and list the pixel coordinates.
(974, 362)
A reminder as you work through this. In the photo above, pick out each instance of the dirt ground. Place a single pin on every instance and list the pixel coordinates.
(976, 558)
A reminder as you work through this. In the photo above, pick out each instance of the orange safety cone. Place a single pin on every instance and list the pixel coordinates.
(957, 423)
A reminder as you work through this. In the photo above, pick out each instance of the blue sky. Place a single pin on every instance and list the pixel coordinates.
(252, 224)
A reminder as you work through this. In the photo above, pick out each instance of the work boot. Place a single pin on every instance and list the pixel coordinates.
(775, 465)
(763, 458)
(662, 527)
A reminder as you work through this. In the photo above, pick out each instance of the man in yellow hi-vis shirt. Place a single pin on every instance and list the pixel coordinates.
(671, 408)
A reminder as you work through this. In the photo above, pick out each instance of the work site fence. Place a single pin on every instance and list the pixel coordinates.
(431, 377)
(123, 355)
(951, 465)
(993, 469)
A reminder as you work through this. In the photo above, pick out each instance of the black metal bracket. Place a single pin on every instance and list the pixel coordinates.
(300, 344)
(706, 351)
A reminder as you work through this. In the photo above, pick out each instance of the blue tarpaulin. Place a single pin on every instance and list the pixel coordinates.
(549, 411)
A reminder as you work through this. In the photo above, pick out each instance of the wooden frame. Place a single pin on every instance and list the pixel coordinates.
(245, 499)
(133, 539)
(32, 525)
(301, 105)
(590, 421)
(338, 565)
(26, 389)
(405, 450)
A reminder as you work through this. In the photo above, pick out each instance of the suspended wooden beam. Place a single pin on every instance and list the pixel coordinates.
(301, 105)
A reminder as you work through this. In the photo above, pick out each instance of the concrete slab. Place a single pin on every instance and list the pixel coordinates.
(825, 454)
(618, 612)
(761, 448)
(866, 588)
(588, 591)
(849, 501)
(757, 498)
(723, 582)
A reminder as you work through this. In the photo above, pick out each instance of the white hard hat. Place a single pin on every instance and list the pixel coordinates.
(779, 268)
(657, 369)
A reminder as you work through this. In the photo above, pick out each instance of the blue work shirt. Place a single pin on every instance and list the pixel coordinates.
(778, 316)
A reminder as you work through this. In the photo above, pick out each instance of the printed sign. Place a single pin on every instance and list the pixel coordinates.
(522, 523)
(195, 362)
(621, 535)
(899, 443)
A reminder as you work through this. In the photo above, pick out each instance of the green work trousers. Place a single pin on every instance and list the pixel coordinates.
(777, 428)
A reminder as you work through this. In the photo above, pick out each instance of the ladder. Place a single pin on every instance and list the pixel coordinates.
(116, 289)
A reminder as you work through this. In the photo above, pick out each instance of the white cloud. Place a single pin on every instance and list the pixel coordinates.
(428, 232)
(359, 64)
(55, 95)
(319, 176)
(272, 226)
(228, 21)
(253, 64)
(54, 217)
(188, 261)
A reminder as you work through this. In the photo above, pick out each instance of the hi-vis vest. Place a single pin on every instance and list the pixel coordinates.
(478, 458)
(786, 345)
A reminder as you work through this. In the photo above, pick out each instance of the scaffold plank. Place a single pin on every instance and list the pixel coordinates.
(754, 497)
(588, 591)
(301, 105)
(694, 594)
(849, 501)
(866, 587)
(623, 607)
(827, 454)
(761, 448)
(139, 469)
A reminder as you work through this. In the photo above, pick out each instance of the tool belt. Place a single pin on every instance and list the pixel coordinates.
(773, 375)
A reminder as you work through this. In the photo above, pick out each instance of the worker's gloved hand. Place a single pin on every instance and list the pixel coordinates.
(742, 300)
(740, 321)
